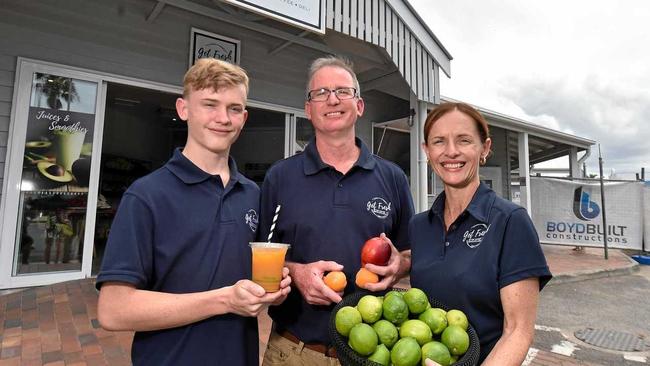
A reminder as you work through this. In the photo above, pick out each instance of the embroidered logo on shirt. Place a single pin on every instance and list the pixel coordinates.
(474, 236)
(251, 219)
(379, 207)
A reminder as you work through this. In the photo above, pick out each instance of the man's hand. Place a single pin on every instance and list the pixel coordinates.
(308, 278)
(250, 299)
(284, 287)
(395, 269)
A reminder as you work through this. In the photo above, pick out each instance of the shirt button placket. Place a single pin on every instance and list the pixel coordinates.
(340, 196)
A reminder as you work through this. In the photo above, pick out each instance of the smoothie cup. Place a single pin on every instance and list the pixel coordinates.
(268, 261)
(68, 147)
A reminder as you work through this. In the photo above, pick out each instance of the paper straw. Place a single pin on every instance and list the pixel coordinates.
(275, 218)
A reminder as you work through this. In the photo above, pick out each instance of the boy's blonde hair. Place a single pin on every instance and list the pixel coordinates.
(210, 73)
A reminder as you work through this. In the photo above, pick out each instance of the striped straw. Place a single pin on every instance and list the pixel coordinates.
(275, 218)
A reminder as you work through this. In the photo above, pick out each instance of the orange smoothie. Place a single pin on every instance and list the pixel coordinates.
(268, 260)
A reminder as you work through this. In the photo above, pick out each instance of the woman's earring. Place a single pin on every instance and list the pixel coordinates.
(482, 160)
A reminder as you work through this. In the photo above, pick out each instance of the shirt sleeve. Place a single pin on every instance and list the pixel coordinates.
(400, 234)
(521, 254)
(129, 250)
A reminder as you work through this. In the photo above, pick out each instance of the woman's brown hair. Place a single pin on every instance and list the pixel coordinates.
(444, 108)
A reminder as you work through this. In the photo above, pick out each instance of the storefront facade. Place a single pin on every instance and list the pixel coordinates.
(86, 103)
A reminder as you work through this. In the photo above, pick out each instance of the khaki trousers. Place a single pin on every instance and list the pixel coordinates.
(281, 351)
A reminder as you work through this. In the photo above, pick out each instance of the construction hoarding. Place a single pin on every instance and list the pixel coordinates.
(570, 212)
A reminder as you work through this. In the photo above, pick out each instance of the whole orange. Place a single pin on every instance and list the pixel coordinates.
(365, 276)
(336, 280)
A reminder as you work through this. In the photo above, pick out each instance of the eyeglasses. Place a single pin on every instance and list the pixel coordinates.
(322, 94)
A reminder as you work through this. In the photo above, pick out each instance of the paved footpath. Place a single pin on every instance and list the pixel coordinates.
(57, 324)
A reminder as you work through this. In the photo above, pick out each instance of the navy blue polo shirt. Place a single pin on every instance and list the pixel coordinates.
(492, 244)
(327, 215)
(178, 230)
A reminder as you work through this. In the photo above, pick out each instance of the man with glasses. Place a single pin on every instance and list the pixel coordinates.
(334, 196)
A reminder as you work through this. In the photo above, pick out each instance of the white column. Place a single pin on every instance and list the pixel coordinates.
(413, 149)
(573, 163)
(422, 198)
(524, 171)
(418, 163)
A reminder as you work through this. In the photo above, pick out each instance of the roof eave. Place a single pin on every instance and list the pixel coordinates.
(423, 33)
(515, 124)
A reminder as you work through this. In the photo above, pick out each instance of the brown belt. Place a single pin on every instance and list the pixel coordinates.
(328, 351)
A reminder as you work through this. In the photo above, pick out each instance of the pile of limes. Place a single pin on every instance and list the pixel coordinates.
(402, 329)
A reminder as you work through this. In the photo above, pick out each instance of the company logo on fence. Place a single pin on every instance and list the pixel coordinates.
(583, 207)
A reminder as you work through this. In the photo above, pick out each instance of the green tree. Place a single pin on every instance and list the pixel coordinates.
(56, 88)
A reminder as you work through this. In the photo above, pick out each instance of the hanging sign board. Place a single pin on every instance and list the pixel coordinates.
(205, 44)
(306, 14)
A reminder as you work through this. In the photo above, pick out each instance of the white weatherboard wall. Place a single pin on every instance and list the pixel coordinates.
(7, 71)
(384, 23)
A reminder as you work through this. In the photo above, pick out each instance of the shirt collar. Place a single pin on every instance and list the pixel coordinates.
(479, 207)
(313, 163)
(189, 173)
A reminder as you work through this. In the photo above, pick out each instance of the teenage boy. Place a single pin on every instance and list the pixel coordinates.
(177, 259)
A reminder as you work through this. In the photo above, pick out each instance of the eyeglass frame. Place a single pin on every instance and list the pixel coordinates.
(330, 91)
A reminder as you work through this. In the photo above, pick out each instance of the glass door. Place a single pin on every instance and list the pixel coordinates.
(391, 140)
(51, 157)
(260, 144)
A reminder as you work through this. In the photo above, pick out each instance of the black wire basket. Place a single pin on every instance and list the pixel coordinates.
(348, 357)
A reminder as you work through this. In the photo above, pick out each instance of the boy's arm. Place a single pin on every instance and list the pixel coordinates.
(121, 306)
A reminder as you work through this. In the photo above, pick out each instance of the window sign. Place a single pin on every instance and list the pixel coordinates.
(55, 174)
(205, 44)
(59, 134)
(306, 14)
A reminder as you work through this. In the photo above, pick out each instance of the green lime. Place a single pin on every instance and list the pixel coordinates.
(457, 317)
(381, 355)
(363, 339)
(442, 311)
(417, 329)
(436, 320)
(416, 300)
(454, 359)
(387, 332)
(406, 352)
(346, 318)
(395, 309)
(393, 292)
(370, 308)
(436, 351)
(456, 340)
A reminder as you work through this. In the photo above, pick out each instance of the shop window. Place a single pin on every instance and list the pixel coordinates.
(55, 175)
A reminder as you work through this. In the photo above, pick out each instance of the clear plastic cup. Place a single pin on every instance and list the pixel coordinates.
(268, 261)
